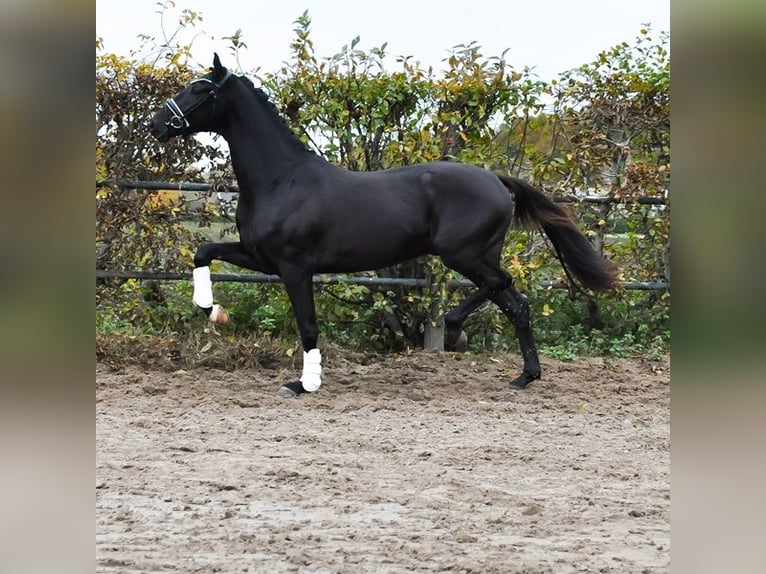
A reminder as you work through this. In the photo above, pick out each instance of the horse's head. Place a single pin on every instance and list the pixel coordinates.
(192, 109)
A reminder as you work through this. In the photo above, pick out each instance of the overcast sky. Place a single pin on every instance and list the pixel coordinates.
(551, 36)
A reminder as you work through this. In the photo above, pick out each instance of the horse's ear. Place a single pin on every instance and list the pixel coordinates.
(218, 69)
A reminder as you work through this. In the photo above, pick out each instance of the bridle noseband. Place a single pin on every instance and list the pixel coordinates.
(178, 116)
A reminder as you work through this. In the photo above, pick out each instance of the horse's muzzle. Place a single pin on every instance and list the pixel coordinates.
(159, 130)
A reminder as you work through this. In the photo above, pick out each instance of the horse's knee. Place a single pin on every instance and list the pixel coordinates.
(203, 257)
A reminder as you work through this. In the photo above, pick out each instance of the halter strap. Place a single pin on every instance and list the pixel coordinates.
(178, 116)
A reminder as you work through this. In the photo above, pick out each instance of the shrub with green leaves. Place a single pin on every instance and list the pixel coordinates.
(600, 129)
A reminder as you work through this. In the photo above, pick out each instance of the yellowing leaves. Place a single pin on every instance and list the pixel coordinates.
(516, 265)
(165, 199)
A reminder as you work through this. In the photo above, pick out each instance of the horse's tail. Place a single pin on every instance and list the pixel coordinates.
(577, 255)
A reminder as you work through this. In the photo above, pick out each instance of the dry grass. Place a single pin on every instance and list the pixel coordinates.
(209, 348)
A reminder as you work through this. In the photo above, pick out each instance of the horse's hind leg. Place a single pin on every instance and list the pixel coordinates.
(454, 336)
(497, 285)
(515, 306)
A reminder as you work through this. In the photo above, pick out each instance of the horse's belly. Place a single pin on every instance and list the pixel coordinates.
(369, 251)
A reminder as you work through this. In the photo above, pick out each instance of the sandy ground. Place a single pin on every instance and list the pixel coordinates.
(405, 463)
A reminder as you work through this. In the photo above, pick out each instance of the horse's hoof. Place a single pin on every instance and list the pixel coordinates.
(461, 345)
(458, 344)
(523, 380)
(290, 390)
(219, 315)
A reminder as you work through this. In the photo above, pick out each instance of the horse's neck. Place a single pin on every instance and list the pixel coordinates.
(262, 146)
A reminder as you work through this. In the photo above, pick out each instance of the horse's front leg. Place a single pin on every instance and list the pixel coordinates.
(299, 288)
(231, 252)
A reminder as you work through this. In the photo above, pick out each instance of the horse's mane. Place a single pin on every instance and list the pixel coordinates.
(264, 98)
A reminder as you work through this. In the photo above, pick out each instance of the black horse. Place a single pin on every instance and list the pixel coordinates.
(299, 215)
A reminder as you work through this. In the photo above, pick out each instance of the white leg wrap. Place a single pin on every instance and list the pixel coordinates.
(311, 379)
(203, 287)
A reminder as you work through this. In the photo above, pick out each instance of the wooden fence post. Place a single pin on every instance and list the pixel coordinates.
(434, 334)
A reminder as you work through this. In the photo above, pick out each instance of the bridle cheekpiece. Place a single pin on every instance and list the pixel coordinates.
(178, 116)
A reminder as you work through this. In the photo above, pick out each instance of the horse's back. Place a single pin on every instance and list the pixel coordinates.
(443, 183)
